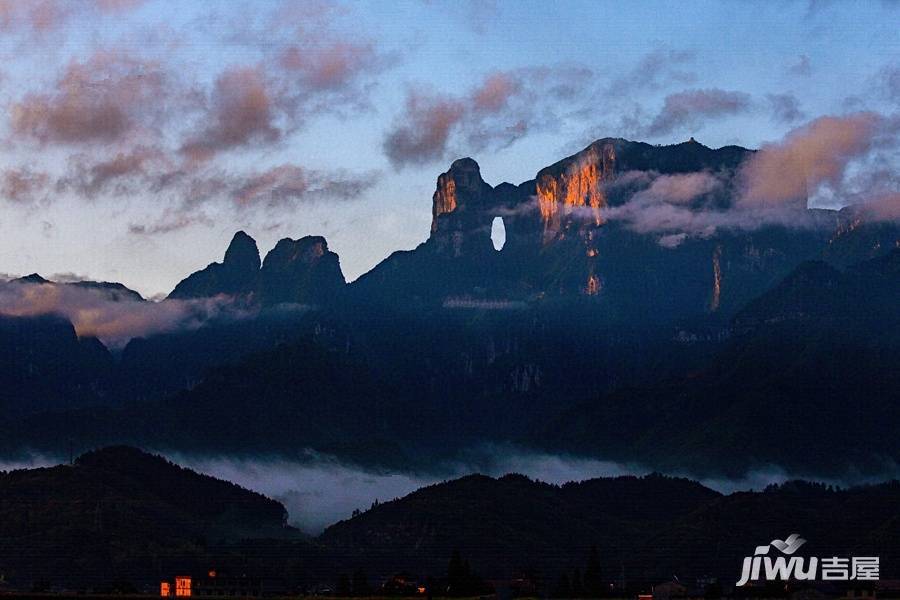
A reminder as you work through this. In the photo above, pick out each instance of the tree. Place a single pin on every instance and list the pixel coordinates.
(593, 581)
(576, 585)
(343, 589)
(361, 584)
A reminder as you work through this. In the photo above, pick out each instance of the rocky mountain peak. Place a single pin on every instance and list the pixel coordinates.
(307, 250)
(459, 187)
(301, 271)
(242, 252)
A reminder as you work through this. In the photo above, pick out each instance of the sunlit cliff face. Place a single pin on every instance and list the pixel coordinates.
(577, 188)
(444, 200)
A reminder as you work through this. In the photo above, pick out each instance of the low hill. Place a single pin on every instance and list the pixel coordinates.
(119, 513)
(644, 529)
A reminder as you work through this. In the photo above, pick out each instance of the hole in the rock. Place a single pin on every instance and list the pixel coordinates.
(498, 233)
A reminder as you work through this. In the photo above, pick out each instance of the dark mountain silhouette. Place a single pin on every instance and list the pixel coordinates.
(810, 373)
(283, 401)
(630, 349)
(118, 513)
(559, 246)
(114, 291)
(110, 290)
(237, 274)
(299, 271)
(45, 366)
(645, 529)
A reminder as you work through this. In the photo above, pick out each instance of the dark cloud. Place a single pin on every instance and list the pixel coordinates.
(785, 108)
(692, 107)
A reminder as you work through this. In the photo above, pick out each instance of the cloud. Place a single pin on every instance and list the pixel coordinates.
(421, 135)
(883, 207)
(23, 185)
(42, 16)
(289, 183)
(682, 189)
(801, 68)
(113, 320)
(101, 100)
(852, 157)
(690, 108)
(242, 113)
(655, 70)
(888, 82)
(120, 174)
(785, 108)
(170, 220)
(674, 205)
(501, 109)
(330, 67)
(811, 156)
(320, 490)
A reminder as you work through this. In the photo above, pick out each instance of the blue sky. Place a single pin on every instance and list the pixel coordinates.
(139, 135)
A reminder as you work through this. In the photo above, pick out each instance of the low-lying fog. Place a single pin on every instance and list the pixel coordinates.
(321, 490)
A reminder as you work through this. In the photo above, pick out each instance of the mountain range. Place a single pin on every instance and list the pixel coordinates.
(707, 351)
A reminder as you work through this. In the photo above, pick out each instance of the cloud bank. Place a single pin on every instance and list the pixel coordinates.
(501, 109)
(841, 157)
(113, 317)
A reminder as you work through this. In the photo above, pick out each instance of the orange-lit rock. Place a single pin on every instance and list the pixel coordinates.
(576, 192)
(444, 199)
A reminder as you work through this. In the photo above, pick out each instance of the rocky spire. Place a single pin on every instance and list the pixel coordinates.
(242, 252)
(457, 189)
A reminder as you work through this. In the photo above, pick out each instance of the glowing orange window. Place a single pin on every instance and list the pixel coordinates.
(183, 586)
(165, 590)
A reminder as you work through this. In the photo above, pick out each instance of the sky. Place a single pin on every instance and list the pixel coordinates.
(139, 135)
